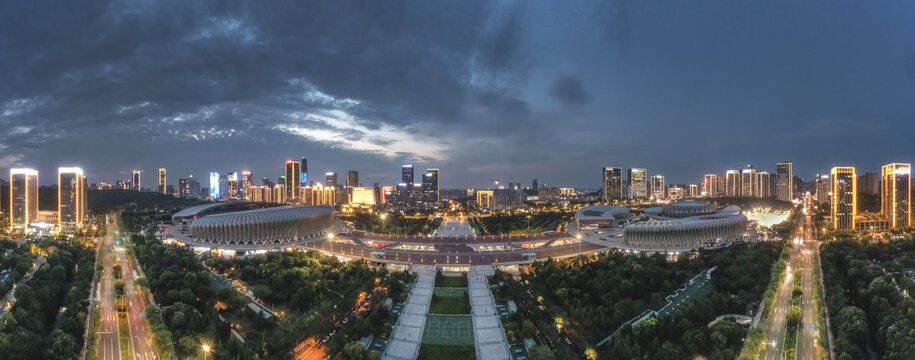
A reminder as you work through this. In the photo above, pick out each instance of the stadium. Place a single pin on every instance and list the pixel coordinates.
(251, 225)
(686, 225)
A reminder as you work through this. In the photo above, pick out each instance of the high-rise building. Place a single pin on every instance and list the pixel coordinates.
(733, 188)
(613, 184)
(869, 183)
(658, 188)
(232, 189)
(304, 165)
(194, 192)
(764, 184)
(71, 197)
(23, 198)
(279, 193)
(748, 186)
(675, 193)
(214, 185)
(638, 184)
(693, 190)
(406, 175)
(534, 185)
(896, 194)
(247, 181)
(430, 188)
(784, 181)
(844, 205)
(822, 189)
(711, 185)
(224, 187)
(162, 181)
(352, 178)
(293, 180)
(331, 179)
(135, 180)
(184, 188)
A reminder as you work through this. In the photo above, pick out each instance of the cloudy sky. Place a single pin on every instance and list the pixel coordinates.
(482, 90)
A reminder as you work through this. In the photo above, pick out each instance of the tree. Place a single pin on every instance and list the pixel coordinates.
(353, 351)
(542, 352)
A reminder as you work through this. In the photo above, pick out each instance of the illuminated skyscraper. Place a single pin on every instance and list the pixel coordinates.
(71, 199)
(279, 193)
(658, 188)
(430, 188)
(896, 194)
(330, 179)
(304, 165)
(23, 198)
(247, 181)
(406, 175)
(748, 185)
(763, 184)
(214, 185)
(822, 189)
(844, 205)
(232, 189)
(135, 180)
(784, 181)
(162, 180)
(638, 184)
(613, 184)
(293, 180)
(711, 185)
(693, 190)
(352, 178)
(733, 187)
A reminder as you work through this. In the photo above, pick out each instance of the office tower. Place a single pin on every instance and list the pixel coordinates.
(232, 185)
(784, 181)
(352, 178)
(748, 186)
(733, 187)
(331, 179)
(184, 188)
(711, 185)
(764, 184)
(896, 194)
(162, 181)
(613, 184)
(195, 188)
(534, 185)
(693, 190)
(71, 194)
(844, 205)
(869, 183)
(279, 193)
(822, 189)
(406, 175)
(430, 188)
(304, 178)
(23, 198)
(247, 181)
(638, 184)
(214, 185)
(267, 182)
(293, 180)
(135, 180)
(267, 194)
(658, 188)
(675, 193)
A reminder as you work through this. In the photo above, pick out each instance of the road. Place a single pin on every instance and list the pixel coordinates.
(108, 347)
(140, 336)
(808, 342)
(775, 325)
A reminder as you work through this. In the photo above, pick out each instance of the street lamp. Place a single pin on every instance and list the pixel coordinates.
(383, 216)
(206, 350)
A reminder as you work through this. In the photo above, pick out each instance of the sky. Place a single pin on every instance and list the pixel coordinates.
(484, 91)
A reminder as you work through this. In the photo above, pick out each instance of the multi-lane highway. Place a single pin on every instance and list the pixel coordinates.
(140, 336)
(808, 341)
(108, 346)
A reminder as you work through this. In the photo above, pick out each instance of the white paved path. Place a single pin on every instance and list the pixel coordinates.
(489, 337)
(408, 332)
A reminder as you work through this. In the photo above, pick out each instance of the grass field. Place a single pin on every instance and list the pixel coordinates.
(450, 305)
(448, 330)
(446, 352)
(451, 281)
(450, 292)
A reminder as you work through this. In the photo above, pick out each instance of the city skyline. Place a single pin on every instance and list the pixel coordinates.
(526, 88)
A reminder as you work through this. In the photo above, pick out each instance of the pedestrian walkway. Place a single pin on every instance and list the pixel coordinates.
(489, 337)
(408, 332)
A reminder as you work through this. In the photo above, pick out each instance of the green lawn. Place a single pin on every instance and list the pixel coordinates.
(450, 305)
(450, 292)
(446, 352)
(451, 281)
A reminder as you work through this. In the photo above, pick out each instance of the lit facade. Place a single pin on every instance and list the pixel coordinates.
(710, 185)
(214, 185)
(352, 178)
(363, 196)
(658, 188)
(232, 189)
(784, 181)
(693, 190)
(331, 179)
(675, 193)
(638, 184)
(247, 181)
(135, 180)
(896, 194)
(732, 188)
(407, 176)
(71, 199)
(748, 183)
(613, 184)
(844, 202)
(293, 180)
(764, 184)
(23, 198)
(430, 189)
(822, 189)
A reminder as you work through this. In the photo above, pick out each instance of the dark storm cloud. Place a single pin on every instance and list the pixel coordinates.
(569, 90)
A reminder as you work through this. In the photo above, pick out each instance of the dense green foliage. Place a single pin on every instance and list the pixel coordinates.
(393, 223)
(28, 331)
(103, 201)
(446, 352)
(612, 288)
(518, 223)
(865, 283)
(16, 259)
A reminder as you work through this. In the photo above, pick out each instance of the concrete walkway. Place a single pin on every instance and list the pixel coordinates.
(489, 337)
(408, 332)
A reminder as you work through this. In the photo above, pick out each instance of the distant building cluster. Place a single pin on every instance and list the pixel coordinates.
(72, 208)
